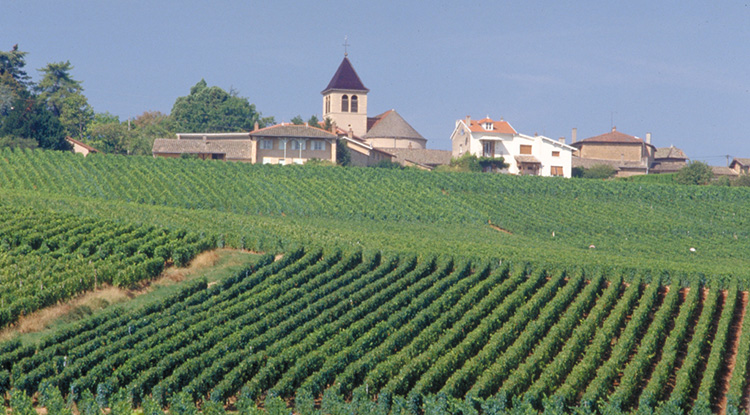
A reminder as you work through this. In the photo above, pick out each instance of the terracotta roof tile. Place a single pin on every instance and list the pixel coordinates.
(502, 127)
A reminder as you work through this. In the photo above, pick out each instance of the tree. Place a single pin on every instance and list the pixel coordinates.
(11, 64)
(64, 97)
(343, 157)
(297, 120)
(13, 79)
(313, 121)
(28, 118)
(328, 124)
(597, 171)
(109, 135)
(213, 110)
(695, 172)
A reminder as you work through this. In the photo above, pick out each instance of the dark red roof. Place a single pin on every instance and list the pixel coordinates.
(346, 78)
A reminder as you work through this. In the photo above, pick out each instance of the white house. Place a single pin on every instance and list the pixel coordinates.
(526, 155)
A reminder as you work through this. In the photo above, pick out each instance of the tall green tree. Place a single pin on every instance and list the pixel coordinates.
(11, 64)
(14, 81)
(28, 118)
(63, 96)
(213, 110)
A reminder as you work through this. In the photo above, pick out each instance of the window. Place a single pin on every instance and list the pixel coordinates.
(318, 145)
(266, 145)
(489, 126)
(328, 104)
(556, 170)
(525, 149)
(345, 103)
(355, 103)
(555, 154)
(298, 145)
(282, 145)
(488, 149)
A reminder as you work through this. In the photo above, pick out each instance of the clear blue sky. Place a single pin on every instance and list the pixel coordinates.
(677, 69)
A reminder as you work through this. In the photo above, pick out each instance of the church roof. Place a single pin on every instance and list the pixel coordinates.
(391, 125)
(346, 78)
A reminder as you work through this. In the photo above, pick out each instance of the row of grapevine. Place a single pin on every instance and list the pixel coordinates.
(320, 322)
(599, 213)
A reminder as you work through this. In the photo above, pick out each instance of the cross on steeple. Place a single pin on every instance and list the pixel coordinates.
(346, 44)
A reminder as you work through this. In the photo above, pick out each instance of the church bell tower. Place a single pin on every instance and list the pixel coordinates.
(345, 99)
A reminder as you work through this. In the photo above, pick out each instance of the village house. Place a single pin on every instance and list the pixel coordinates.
(740, 165)
(525, 155)
(627, 154)
(79, 147)
(278, 144)
(668, 160)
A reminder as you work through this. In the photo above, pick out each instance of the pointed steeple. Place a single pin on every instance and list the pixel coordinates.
(345, 78)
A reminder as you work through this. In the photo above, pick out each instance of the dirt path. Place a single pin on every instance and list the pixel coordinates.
(728, 368)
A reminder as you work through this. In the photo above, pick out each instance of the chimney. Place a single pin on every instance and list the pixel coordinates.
(255, 127)
(333, 127)
(561, 139)
(614, 128)
(468, 120)
(351, 132)
(574, 135)
(648, 138)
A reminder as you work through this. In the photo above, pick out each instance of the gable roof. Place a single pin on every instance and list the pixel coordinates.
(612, 137)
(740, 161)
(670, 152)
(233, 149)
(292, 131)
(392, 125)
(501, 127)
(421, 156)
(72, 140)
(345, 78)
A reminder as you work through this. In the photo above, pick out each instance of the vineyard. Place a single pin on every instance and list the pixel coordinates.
(650, 227)
(47, 257)
(323, 322)
(380, 291)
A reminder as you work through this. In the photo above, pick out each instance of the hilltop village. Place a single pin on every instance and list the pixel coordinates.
(389, 137)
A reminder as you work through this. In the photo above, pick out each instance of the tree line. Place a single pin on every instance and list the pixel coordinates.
(42, 114)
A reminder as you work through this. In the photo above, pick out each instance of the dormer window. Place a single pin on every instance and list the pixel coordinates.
(488, 126)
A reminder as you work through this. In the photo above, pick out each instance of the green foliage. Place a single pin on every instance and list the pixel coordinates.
(64, 97)
(28, 118)
(467, 162)
(599, 171)
(742, 181)
(20, 403)
(11, 68)
(297, 120)
(213, 110)
(387, 164)
(343, 156)
(695, 172)
(18, 142)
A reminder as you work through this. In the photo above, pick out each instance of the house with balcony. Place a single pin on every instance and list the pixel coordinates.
(535, 155)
